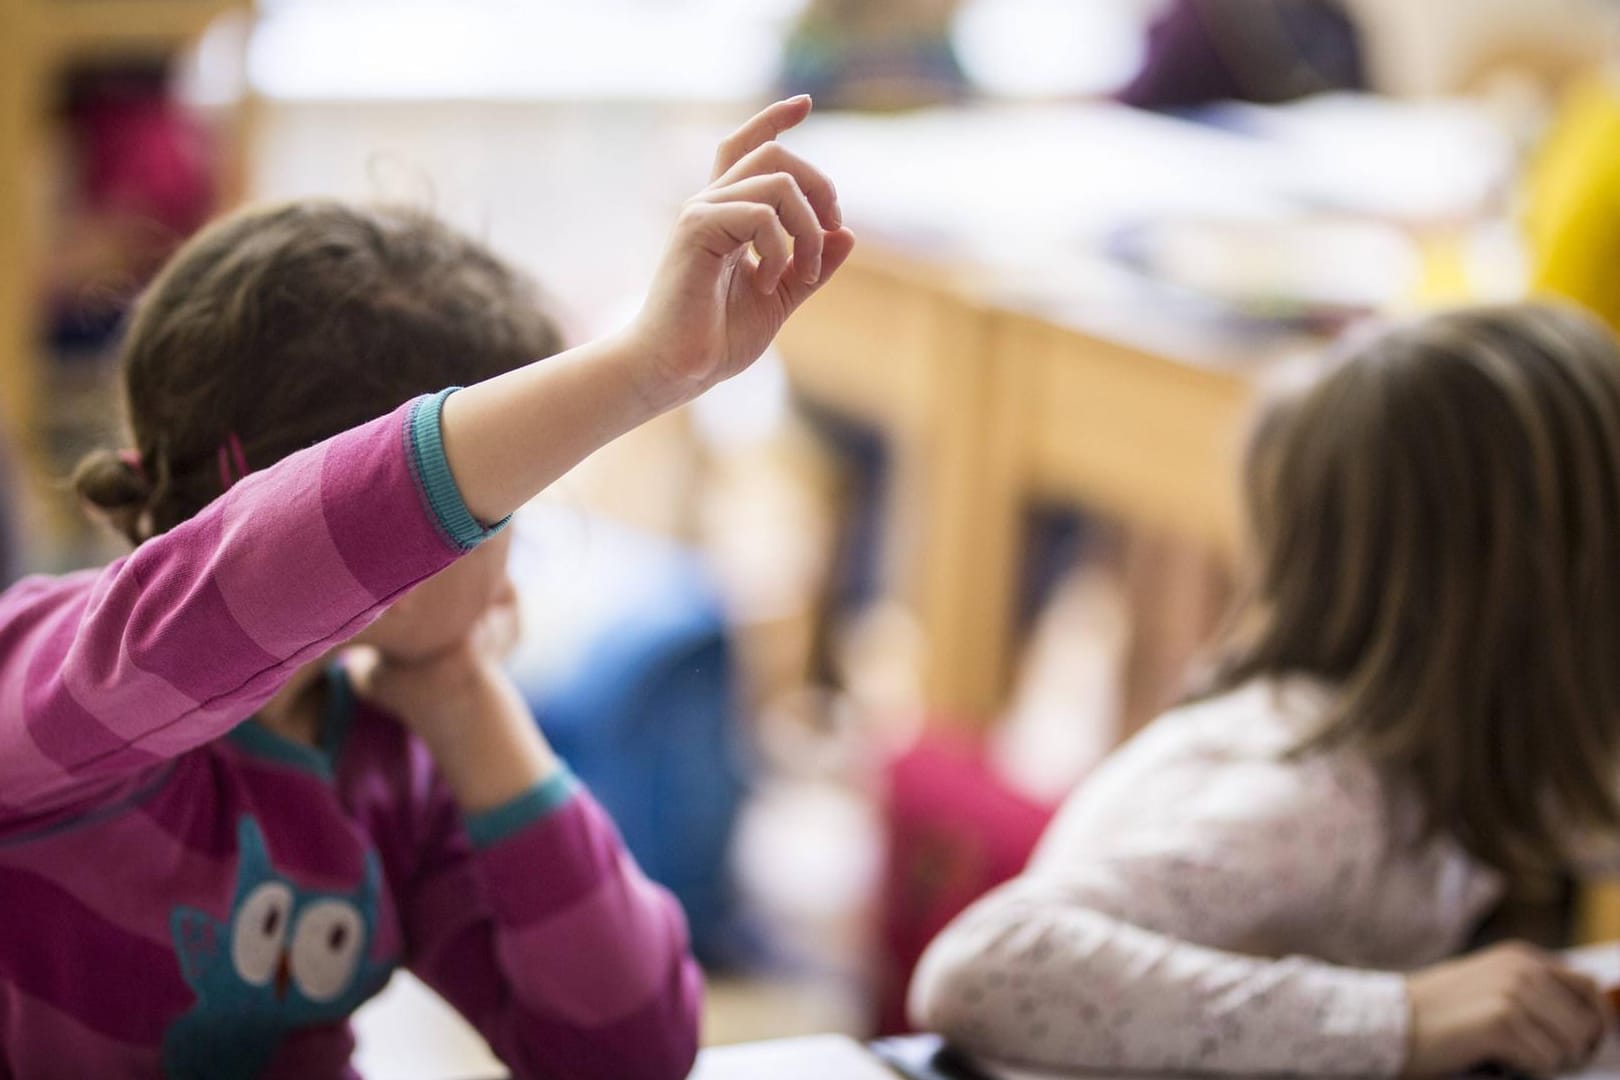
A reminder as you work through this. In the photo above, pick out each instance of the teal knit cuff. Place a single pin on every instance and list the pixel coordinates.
(491, 826)
(456, 522)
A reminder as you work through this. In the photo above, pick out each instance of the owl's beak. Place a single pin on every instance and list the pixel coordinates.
(282, 975)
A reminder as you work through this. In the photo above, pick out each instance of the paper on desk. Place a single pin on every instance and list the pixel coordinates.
(817, 1057)
(1366, 154)
(1042, 175)
(1064, 174)
(1601, 962)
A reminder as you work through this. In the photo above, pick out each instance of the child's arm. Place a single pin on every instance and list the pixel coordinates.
(537, 925)
(1177, 913)
(1031, 974)
(526, 912)
(1176, 916)
(105, 676)
(710, 314)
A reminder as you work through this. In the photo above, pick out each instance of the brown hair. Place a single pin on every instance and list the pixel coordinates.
(1437, 524)
(279, 327)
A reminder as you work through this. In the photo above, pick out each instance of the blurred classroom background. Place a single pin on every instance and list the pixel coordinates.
(834, 642)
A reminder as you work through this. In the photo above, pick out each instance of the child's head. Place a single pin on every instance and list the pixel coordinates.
(280, 327)
(1437, 525)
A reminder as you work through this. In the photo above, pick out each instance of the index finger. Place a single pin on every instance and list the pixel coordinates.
(765, 126)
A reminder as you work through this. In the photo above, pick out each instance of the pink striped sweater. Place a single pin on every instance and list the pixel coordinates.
(183, 893)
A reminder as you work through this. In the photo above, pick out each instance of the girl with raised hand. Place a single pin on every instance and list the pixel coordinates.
(219, 832)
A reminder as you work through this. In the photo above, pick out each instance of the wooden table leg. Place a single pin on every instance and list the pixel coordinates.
(1179, 594)
(963, 474)
(913, 359)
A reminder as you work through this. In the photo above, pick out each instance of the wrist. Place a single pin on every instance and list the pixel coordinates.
(490, 752)
(488, 827)
(655, 369)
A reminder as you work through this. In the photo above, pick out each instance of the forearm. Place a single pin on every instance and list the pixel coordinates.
(711, 311)
(509, 438)
(548, 938)
(1047, 982)
(487, 746)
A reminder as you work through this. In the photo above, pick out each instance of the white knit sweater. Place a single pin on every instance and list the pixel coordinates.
(1203, 904)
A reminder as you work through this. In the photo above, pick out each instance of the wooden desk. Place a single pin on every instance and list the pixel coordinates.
(989, 407)
(38, 39)
(900, 347)
(1007, 364)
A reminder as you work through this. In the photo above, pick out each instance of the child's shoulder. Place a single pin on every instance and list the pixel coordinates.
(1260, 720)
(1235, 749)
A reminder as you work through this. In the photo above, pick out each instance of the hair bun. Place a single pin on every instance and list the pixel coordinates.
(115, 488)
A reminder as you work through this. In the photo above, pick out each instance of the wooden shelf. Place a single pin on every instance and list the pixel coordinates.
(39, 40)
(80, 29)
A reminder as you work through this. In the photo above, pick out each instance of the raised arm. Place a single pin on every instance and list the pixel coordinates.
(712, 310)
(105, 675)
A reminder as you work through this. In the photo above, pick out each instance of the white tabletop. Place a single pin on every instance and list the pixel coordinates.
(816, 1057)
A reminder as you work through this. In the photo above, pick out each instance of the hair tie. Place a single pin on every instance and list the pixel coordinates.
(232, 461)
(132, 461)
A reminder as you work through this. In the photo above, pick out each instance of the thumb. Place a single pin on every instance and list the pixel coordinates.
(835, 250)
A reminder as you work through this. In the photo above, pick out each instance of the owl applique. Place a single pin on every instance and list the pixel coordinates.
(286, 958)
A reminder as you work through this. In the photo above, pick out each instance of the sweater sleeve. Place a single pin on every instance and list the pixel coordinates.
(536, 924)
(105, 675)
(1176, 916)
(1032, 976)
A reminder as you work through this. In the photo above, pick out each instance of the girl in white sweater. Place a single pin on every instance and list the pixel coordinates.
(1417, 717)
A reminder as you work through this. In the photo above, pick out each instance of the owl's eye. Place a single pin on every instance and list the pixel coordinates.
(326, 948)
(259, 930)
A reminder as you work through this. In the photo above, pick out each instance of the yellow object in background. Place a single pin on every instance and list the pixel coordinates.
(1573, 215)
(1445, 276)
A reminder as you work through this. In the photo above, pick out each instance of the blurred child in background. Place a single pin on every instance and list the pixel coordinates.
(1415, 720)
(855, 54)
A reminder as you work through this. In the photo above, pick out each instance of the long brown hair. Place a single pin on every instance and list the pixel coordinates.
(1437, 525)
(283, 326)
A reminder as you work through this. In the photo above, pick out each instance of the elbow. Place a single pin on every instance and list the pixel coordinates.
(677, 1050)
(944, 990)
(665, 1044)
(659, 1041)
(982, 994)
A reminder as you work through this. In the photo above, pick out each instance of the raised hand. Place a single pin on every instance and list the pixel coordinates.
(746, 252)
